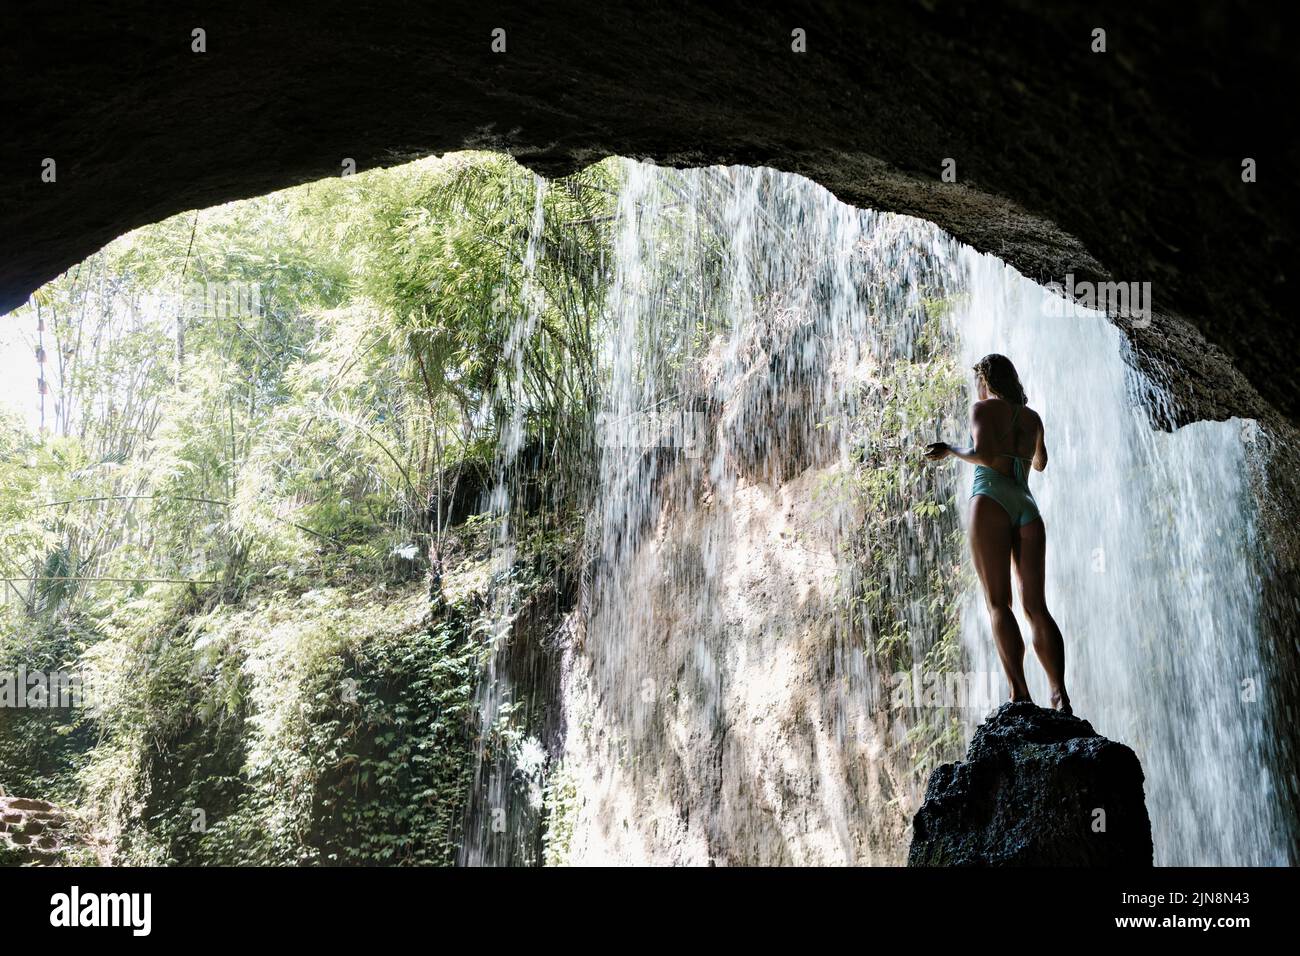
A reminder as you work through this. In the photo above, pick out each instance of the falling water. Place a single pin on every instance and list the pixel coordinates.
(724, 706)
(505, 798)
(1150, 573)
(767, 556)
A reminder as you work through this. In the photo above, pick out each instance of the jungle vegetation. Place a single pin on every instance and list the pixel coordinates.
(250, 510)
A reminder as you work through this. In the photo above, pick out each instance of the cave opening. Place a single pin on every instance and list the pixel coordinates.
(576, 469)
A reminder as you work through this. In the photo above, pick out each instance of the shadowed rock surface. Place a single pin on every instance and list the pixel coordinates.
(1123, 165)
(1029, 794)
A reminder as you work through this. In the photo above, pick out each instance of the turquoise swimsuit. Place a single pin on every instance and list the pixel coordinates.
(1011, 492)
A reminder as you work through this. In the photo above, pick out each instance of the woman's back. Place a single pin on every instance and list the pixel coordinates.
(1012, 432)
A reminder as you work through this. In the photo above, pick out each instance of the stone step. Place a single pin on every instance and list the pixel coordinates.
(23, 803)
(34, 832)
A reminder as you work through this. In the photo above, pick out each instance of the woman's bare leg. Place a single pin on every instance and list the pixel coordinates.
(1030, 555)
(990, 538)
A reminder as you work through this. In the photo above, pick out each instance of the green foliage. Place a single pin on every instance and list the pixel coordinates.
(561, 809)
(910, 506)
(42, 747)
(195, 466)
(389, 350)
(322, 727)
(911, 546)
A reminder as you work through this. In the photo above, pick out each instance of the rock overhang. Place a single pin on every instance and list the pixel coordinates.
(1123, 164)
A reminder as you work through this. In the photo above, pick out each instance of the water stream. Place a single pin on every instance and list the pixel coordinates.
(766, 555)
(1151, 573)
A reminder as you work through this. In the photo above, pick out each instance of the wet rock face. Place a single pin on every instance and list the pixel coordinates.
(1037, 788)
(1123, 165)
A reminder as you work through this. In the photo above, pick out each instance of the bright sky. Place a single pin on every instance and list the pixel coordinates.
(18, 369)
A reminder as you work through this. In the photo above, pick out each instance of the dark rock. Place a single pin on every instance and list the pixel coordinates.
(1037, 788)
(1121, 165)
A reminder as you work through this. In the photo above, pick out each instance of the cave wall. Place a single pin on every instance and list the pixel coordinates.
(1123, 164)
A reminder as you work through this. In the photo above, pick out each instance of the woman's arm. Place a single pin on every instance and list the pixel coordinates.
(1040, 453)
(977, 454)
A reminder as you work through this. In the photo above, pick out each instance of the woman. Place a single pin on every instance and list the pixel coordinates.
(1005, 525)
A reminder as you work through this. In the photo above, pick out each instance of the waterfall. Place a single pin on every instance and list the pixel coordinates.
(779, 595)
(1150, 573)
(505, 798)
(724, 705)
